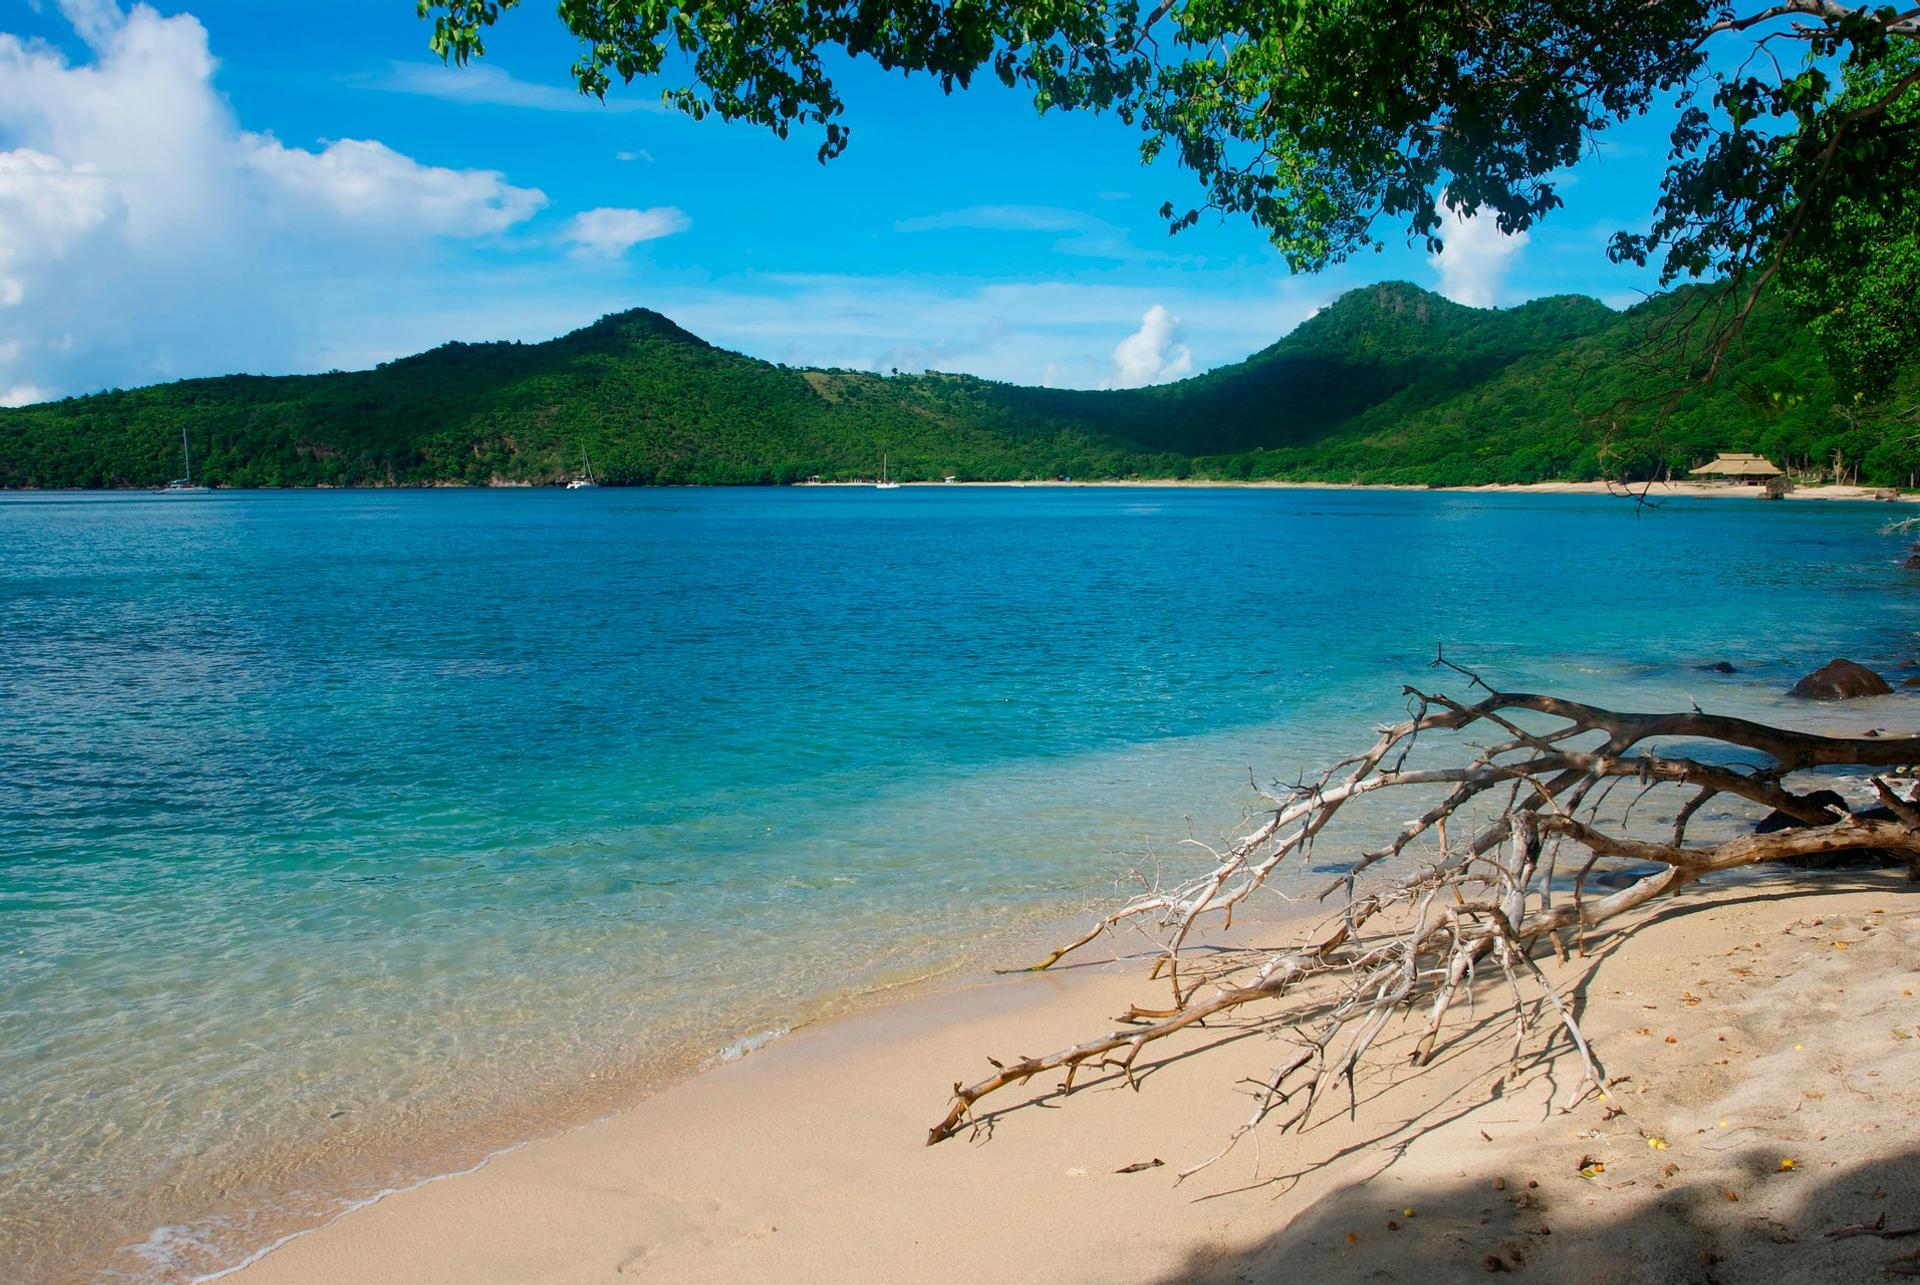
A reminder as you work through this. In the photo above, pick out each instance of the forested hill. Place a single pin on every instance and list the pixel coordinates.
(1389, 384)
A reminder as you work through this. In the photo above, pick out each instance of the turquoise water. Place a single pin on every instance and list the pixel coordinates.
(346, 835)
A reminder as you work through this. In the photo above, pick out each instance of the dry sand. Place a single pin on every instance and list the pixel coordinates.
(1654, 491)
(1701, 490)
(1743, 1027)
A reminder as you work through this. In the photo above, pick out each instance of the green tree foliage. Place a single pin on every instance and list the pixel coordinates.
(1859, 278)
(1322, 121)
(1389, 384)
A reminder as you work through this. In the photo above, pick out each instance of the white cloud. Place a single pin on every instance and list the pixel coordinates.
(1152, 354)
(144, 234)
(24, 395)
(610, 233)
(1475, 258)
(94, 21)
(485, 84)
(46, 209)
(637, 154)
(370, 184)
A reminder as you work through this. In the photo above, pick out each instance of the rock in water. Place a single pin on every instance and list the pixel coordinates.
(1840, 680)
(1718, 667)
(1856, 859)
(1777, 820)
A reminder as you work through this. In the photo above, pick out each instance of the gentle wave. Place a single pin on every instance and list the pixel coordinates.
(337, 852)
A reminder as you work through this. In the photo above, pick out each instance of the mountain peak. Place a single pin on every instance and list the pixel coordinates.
(634, 325)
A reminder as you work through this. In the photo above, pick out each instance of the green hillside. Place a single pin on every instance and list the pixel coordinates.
(1615, 400)
(1389, 384)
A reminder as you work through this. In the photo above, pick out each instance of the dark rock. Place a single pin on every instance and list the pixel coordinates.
(1778, 820)
(1855, 859)
(1859, 859)
(1840, 680)
(1913, 562)
(1718, 667)
(1911, 682)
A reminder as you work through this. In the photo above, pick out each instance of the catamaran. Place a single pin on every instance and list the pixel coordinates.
(883, 484)
(184, 485)
(585, 479)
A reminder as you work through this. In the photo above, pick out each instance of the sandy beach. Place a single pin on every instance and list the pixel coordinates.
(1654, 491)
(1762, 1041)
(1702, 490)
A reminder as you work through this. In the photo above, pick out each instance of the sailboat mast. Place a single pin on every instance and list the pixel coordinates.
(186, 454)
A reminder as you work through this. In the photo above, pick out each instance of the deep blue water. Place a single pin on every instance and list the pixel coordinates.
(339, 829)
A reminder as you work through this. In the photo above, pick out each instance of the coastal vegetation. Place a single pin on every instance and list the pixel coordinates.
(1390, 384)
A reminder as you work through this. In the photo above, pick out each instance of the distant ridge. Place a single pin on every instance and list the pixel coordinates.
(1391, 383)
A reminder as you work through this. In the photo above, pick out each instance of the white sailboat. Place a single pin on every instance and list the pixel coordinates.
(585, 479)
(184, 485)
(883, 484)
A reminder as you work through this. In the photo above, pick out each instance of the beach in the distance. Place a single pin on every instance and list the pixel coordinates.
(1652, 491)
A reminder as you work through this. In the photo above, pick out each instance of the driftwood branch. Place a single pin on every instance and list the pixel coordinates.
(1483, 892)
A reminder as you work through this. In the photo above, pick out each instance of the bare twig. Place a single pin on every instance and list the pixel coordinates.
(1483, 897)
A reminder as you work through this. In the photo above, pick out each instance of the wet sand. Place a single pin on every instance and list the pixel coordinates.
(1741, 1028)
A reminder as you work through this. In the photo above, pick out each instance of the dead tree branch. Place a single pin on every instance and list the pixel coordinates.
(1478, 901)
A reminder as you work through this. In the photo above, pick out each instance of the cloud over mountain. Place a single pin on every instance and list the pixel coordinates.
(144, 233)
(1475, 258)
(1154, 353)
(610, 233)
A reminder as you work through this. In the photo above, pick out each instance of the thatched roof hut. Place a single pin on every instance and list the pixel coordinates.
(1734, 466)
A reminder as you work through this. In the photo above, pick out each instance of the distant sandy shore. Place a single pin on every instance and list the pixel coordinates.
(1650, 490)
(1702, 490)
(1745, 1027)
(1653, 491)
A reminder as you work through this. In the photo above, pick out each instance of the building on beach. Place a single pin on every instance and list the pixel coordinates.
(1731, 466)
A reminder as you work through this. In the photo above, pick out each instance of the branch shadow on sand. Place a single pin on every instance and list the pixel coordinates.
(1760, 1202)
(1569, 1229)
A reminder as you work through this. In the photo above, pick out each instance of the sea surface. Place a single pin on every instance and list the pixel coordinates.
(348, 836)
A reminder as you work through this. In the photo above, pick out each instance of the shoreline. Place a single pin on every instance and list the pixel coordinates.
(430, 1159)
(1650, 491)
(1654, 492)
(583, 1100)
(805, 1161)
(963, 990)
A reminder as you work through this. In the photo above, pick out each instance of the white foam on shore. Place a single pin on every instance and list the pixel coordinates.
(155, 1248)
(752, 1043)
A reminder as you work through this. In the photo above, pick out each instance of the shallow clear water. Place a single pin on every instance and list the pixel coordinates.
(345, 835)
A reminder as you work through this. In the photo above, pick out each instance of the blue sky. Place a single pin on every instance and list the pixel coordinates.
(225, 185)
